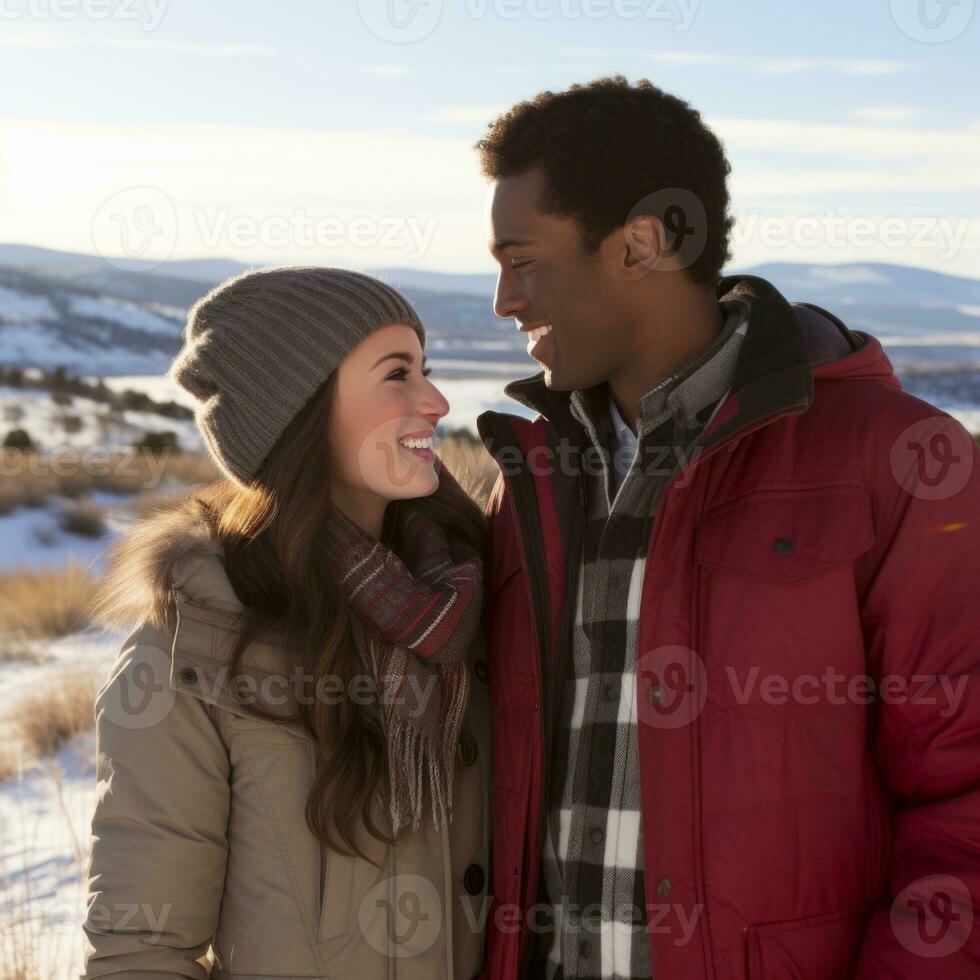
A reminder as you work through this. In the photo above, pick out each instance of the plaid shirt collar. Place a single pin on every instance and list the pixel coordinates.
(697, 383)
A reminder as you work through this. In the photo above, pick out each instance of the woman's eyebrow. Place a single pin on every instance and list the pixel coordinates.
(400, 355)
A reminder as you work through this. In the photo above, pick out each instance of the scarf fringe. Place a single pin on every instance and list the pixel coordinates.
(412, 754)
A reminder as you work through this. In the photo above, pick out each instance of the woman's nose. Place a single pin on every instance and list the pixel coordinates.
(434, 406)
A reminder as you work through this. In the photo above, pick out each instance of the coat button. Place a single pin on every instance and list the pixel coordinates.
(482, 670)
(585, 949)
(474, 879)
(611, 691)
(663, 887)
(597, 835)
(467, 748)
(188, 675)
(782, 546)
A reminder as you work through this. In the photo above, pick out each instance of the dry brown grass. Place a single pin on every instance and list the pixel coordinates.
(28, 951)
(469, 462)
(20, 649)
(56, 709)
(45, 603)
(29, 480)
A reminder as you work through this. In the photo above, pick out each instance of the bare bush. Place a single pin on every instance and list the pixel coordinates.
(84, 518)
(45, 603)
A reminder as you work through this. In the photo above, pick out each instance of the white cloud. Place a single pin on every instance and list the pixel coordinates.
(762, 65)
(886, 113)
(229, 50)
(781, 66)
(959, 161)
(387, 70)
(56, 177)
(465, 114)
(59, 178)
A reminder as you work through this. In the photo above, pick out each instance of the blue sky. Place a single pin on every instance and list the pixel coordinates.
(341, 132)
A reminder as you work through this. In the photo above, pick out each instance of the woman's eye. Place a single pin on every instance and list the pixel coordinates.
(402, 373)
(517, 266)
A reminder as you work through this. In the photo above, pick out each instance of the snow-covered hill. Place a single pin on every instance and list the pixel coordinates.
(98, 319)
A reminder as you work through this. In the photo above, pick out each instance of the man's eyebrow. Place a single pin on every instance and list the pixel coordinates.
(501, 243)
(400, 355)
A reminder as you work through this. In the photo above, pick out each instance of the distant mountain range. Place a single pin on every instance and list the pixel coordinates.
(126, 317)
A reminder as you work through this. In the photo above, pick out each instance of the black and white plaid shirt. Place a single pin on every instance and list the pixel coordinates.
(593, 850)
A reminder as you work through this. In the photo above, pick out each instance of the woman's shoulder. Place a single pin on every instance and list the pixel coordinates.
(172, 551)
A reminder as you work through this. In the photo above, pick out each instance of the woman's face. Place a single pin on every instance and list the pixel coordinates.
(382, 400)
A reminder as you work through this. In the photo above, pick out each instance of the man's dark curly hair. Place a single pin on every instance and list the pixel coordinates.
(605, 146)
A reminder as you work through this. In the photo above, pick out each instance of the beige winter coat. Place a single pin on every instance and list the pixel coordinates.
(202, 864)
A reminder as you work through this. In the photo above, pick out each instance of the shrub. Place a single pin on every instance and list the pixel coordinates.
(18, 439)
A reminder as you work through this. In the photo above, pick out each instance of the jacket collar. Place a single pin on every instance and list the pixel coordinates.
(773, 371)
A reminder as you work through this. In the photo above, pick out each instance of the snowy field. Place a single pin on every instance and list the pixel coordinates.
(45, 821)
(34, 538)
(45, 813)
(467, 396)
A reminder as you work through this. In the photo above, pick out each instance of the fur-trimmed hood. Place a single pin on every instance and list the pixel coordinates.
(173, 548)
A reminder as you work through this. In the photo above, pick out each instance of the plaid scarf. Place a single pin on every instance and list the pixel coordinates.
(413, 622)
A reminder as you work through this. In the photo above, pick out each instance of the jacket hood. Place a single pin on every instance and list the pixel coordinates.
(171, 550)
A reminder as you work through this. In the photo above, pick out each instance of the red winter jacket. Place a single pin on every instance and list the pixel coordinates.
(808, 668)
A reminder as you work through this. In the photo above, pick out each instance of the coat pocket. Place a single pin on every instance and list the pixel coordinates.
(337, 900)
(787, 536)
(815, 947)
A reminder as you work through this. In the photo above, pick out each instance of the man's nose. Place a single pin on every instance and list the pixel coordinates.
(509, 298)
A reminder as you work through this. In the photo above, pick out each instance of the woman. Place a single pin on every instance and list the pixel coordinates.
(293, 752)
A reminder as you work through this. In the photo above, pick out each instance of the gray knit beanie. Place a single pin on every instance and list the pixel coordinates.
(258, 346)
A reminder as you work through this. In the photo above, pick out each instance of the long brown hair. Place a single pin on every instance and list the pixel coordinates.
(270, 536)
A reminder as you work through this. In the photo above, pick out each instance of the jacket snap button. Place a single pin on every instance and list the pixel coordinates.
(663, 887)
(188, 675)
(585, 949)
(467, 749)
(656, 694)
(782, 546)
(597, 835)
(474, 879)
(482, 670)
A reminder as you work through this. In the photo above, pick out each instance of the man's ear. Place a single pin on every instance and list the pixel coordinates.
(646, 245)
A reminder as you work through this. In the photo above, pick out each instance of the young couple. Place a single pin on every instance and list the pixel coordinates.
(366, 730)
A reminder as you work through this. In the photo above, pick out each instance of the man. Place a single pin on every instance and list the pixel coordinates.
(734, 591)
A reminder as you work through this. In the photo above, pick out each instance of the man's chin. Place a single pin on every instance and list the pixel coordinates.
(555, 380)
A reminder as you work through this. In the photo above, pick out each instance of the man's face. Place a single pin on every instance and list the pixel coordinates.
(547, 278)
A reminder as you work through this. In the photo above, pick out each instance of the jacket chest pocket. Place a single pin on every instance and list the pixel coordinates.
(778, 599)
(787, 537)
(824, 947)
